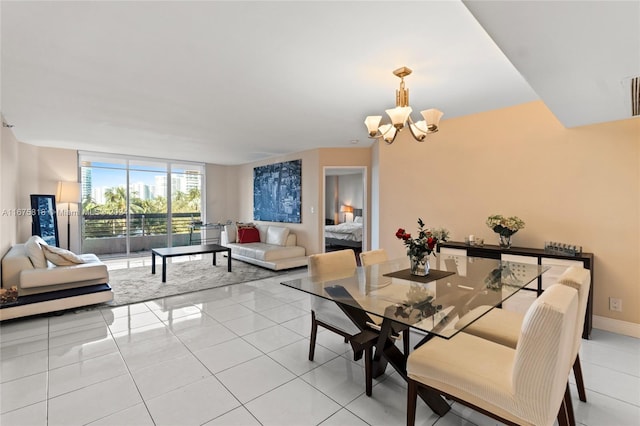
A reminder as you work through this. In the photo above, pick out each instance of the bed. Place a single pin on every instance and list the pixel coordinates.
(347, 234)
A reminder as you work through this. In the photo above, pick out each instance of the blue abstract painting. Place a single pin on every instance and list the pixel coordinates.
(277, 190)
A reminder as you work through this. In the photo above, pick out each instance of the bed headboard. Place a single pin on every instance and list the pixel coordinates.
(357, 212)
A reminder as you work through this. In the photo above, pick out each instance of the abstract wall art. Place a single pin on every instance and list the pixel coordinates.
(277, 190)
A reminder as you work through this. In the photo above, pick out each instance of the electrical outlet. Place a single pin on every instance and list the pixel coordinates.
(615, 304)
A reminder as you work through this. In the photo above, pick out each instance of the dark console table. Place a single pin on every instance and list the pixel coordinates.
(495, 252)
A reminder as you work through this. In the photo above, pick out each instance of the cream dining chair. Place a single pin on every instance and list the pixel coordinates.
(502, 326)
(522, 386)
(325, 313)
(373, 257)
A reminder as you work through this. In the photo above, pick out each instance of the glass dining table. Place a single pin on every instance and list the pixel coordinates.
(384, 299)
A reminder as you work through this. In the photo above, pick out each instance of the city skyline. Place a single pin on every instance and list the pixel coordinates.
(148, 185)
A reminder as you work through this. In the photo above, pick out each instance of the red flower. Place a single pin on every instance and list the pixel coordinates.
(406, 237)
(431, 242)
(399, 233)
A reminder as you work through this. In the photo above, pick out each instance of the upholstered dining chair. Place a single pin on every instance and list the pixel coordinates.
(325, 313)
(373, 257)
(502, 326)
(522, 386)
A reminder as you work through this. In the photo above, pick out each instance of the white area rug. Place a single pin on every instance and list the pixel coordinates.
(137, 284)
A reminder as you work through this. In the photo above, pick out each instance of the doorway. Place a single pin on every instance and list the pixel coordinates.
(345, 208)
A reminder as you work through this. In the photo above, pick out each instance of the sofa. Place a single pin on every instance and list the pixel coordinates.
(268, 246)
(51, 279)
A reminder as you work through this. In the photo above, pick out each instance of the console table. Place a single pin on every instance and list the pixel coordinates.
(538, 256)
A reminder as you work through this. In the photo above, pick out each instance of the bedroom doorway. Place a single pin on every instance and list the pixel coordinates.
(345, 201)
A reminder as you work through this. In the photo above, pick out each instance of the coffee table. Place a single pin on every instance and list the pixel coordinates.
(186, 251)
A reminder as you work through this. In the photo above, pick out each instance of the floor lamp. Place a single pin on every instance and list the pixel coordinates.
(68, 192)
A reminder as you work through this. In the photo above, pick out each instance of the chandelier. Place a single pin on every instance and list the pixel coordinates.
(401, 115)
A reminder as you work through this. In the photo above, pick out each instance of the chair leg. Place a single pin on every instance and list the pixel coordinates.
(368, 370)
(412, 396)
(569, 406)
(577, 372)
(314, 332)
(405, 337)
(562, 415)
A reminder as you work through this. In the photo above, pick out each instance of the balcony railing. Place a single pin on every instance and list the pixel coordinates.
(105, 233)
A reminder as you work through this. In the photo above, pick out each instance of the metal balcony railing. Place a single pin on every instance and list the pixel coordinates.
(141, 224)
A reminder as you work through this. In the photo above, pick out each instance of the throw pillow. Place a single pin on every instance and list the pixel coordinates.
(357, 219)
(248, 235)
(277, 235)
(33, 247)
(61, 257)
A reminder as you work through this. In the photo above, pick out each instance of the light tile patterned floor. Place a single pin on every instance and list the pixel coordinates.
(237, 355)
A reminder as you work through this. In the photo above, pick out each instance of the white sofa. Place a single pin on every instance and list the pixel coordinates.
(44, 287)
(276, 250)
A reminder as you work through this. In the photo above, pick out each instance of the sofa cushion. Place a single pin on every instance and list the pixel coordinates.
(232, 233)
(262, 229)
(277, 235)
(61, 257)
(33, 247)
(248, 235)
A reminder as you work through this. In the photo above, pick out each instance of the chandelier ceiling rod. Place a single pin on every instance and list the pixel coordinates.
(401, 115)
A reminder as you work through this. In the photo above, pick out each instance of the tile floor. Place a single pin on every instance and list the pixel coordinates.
(237, 355)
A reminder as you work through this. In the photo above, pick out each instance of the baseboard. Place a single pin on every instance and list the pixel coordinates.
(616, 326)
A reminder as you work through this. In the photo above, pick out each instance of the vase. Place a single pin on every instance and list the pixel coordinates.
(505, 241)
(420, 264)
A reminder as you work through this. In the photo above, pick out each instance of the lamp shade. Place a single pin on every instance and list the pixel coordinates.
(68, 192)
(346, 209)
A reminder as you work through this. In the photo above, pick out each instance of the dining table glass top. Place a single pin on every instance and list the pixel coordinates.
(457, 287)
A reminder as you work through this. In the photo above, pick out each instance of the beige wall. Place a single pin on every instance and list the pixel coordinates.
(28, 169)
(309, 232)
(577, 186)
(8, 189)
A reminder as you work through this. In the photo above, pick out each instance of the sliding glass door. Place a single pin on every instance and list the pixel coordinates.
(131, 205)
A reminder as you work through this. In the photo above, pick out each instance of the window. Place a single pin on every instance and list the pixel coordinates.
(134, 204)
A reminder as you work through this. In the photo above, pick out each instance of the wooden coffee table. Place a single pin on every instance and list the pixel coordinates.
(185, 251)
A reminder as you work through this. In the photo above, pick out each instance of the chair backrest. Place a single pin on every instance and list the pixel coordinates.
(579, 278)
(332, 265)
(372, 257)
(542, 360)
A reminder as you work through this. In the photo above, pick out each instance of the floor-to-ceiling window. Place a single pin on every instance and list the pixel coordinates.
(133, 204)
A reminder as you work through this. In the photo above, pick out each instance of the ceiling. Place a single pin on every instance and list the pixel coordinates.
(235, 82)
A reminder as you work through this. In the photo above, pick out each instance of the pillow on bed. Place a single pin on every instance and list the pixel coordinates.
(357, 219)
(248, 235)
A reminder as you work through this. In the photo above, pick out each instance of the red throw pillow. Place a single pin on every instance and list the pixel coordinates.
(248, 235)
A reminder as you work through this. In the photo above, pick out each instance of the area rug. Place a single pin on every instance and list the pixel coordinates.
(137, 284)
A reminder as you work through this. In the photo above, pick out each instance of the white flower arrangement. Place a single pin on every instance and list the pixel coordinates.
(505, 226)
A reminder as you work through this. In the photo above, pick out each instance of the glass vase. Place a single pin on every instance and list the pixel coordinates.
(419, 265)
(505, 241)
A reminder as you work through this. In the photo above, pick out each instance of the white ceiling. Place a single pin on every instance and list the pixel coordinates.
(234, 82)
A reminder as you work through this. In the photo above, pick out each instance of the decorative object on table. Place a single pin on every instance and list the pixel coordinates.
(419, 249)
(472, 240)
(500, 276)
(505, 227)
(8, 295)
(562, 248)
(400, 116)
(419, 304)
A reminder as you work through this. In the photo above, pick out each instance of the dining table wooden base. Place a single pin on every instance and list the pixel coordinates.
(379, 349)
